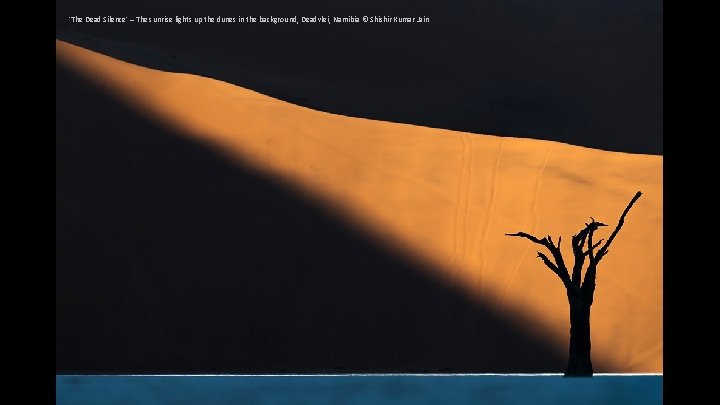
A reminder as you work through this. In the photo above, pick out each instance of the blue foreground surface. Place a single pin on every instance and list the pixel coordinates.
(360, 389)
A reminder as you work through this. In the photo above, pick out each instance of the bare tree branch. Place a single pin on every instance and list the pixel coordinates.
(548, 243)
(561, 272)
(528, 236)
(548, 263)
(588, 285)
(592, 246)
(559, 266)
(592, 267)
(590, 249)
(557, 255)
(578, 241)
(604, 250)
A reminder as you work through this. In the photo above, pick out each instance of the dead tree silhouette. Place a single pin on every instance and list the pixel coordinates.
(580, 295)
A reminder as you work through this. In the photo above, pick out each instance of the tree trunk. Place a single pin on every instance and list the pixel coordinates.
(579, 363)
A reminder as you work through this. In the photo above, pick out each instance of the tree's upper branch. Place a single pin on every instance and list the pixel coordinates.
(589, 252)
(578, 241)
(604, 249)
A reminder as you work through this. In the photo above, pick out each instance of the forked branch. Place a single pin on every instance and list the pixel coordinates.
(588, 284)
(604, 249)
(558, 267)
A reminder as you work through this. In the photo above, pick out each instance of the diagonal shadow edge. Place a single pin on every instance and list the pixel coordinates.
(171, 259)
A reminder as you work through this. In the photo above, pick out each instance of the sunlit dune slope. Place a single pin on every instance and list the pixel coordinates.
(444, 197)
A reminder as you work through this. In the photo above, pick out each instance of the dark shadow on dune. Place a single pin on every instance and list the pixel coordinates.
(587, 73)
(171, 259)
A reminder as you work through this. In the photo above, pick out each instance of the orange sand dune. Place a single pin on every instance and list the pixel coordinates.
(445, 197)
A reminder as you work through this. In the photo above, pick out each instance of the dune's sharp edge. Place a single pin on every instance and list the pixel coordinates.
(446, 197)
(588, 76)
